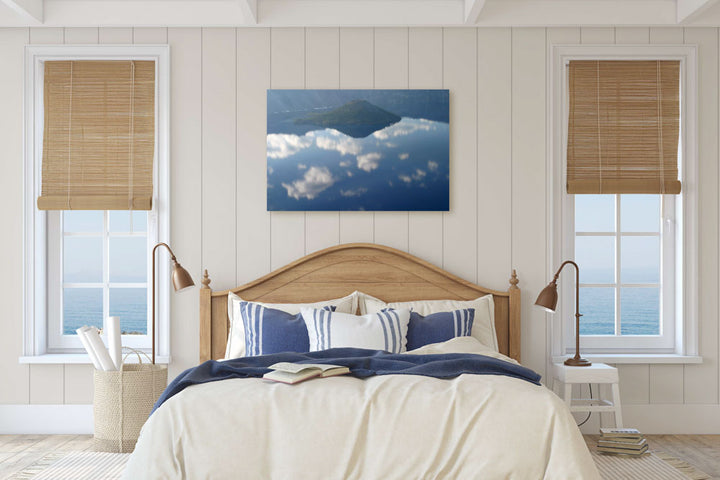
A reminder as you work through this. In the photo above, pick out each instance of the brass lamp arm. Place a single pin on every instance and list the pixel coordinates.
(172, 255)
(577, 283)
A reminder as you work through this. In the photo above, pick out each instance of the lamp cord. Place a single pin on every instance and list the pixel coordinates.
(589, 413)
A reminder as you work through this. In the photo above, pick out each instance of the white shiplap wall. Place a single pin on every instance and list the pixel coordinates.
(497, 221)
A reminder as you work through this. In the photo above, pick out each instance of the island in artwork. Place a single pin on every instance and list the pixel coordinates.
(358, 150)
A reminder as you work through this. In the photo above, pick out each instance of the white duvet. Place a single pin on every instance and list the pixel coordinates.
(383, 427)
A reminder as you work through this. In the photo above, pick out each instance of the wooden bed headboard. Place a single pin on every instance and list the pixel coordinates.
(383, 272)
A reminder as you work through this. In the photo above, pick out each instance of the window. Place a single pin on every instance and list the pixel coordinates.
(626, 249)
(637, 279)
(98, 267)
(82, 266)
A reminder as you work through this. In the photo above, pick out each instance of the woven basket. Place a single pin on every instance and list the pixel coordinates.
(123, 401)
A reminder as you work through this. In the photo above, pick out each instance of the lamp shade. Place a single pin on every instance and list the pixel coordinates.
(181, 279)
(548, 297)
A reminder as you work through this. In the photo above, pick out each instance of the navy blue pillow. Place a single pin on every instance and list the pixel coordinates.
(273, 331)
(438, 327)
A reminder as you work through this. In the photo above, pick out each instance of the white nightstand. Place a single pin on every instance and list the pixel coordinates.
(598, 373)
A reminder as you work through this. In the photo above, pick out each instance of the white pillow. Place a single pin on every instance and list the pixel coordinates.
(377, 331)
(483, 325)
(460, 345)
(236, 336)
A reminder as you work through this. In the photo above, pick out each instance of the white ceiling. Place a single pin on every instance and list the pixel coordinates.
(358, 12)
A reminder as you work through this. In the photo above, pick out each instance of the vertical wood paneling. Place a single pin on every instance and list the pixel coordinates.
(46, 384)
(322, 70)
(287, 71)
(634, 384)
(185, 187)
(701, 381)
(356, 71)
(528, 182)
(151, 35)
(494, 114)
(632, 35)
(666, 384)
(391, 71)
(15, 377)
(425, 67)
(662, 35)
(78, 385)
(460, 223)
(80, 35)
(253, 80)
(45, 35)
(218, 156)
(599, 35)
(116, 35)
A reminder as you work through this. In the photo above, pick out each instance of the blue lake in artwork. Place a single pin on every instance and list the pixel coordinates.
(358, 150)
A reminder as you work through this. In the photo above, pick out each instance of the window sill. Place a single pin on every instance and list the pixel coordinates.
(79, 359)
(636, 358)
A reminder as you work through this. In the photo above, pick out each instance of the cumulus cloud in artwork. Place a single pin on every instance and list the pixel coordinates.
(342, 149)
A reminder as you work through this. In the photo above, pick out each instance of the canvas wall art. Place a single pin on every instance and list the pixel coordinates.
(358, 150)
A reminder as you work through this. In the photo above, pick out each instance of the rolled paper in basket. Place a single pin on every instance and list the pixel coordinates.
(91, 333)
(88, 348)
(113, 329)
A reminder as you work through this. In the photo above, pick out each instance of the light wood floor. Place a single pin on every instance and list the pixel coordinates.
(700, 451)
(19, 451)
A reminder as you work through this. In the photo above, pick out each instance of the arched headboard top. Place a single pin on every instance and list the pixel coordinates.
(380, 271)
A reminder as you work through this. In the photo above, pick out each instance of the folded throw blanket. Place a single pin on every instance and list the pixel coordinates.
(361, 362)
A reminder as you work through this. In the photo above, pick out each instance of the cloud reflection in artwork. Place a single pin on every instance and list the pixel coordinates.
(313, 182)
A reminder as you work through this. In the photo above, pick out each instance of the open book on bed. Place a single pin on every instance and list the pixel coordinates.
(292, 373)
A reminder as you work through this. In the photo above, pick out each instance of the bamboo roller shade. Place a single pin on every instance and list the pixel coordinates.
(99, 135)
(624, 124)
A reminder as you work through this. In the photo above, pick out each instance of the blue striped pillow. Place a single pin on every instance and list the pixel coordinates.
(377, 331)
(439, 327)
(273, 331)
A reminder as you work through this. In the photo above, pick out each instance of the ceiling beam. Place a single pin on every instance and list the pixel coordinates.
(30, 10)
(472, 10)
(249, 10)
(688, 10)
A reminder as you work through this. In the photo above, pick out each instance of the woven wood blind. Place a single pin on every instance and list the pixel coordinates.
(99, 135)
(623, 130)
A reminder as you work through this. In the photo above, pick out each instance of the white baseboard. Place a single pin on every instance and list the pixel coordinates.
(46, 419)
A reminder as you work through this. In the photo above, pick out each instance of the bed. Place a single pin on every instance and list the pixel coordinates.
(384, 426)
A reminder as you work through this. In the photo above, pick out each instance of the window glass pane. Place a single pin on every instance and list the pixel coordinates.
(130, 304)
(87, 221)
(640, 311)
(640, 213)
(594, 213)
(596, 258)
(82, 306)
(82, 259)
(139, 220)
(128, 259)
(120, 221)
(597, 306)
(640, 260)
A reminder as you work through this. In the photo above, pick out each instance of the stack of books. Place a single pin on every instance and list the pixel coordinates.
(625, 441)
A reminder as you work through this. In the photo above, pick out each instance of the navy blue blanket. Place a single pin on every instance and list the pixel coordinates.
(362, 363)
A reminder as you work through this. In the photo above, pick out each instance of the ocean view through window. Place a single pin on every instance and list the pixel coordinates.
(105, 269)
(618, 241)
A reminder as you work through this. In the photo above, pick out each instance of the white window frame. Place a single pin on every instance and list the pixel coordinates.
(684, 338)
(57, 342)
(36, 231)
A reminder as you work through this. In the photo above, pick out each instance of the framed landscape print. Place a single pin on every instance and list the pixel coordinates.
(358, 150)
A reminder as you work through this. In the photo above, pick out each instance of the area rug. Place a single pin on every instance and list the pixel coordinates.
(651, 466)
(75, 466)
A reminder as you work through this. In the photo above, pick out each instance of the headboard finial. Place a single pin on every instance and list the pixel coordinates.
(514, 279)
(206, 280)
